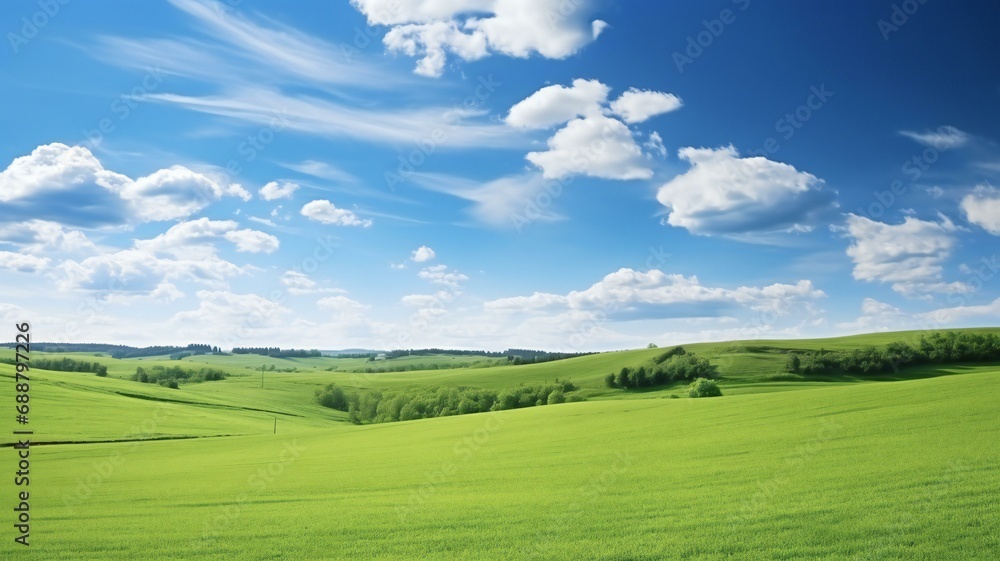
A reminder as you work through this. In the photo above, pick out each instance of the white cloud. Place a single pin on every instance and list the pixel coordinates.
(473, 29)
(229, 317)
(945, 316)
(253, 241)
(138, 270)
(908, 255)
(36, 236)
(630, 294)
(422, 254)
(554, 105)
(68, 185)
(944, 138)
(22, 263)
(636, 106)
(505, 202)
(325, 212)
(597, 146)
(592, 142)
(175, 192)
(274, 190)
(342, 306)
(982, 207)
(439, 274)
(723, 194)
(195, 238)
(655, 145)
(877, 316)
(299, 283)
(186, 252)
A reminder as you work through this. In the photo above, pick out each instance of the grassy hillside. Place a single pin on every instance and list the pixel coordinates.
(865, 471)
(894, 466)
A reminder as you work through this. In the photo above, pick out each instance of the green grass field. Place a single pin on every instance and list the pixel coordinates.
(781, 467)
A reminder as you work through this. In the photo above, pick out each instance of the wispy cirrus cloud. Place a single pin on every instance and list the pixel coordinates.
(262, 70)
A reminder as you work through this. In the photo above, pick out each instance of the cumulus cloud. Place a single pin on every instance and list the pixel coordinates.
(274, 190)
(631, 294)
(36, 236)
(724, 194)
(326, 212)
(982, 208)
(252, 241)
(439, 274)
(185, 252)
(227, 316)
(473, 29)
(23, 263)
(195, 237)
(592, 142)
(422, 254)
(554, 105)
(636, 106)
(68, 185)
(908, 255)
(597, 146)
(298, 283)
(877, 316)
(944, 138)
(343, 308)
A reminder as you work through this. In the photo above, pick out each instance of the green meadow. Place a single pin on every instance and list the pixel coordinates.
(783, 466)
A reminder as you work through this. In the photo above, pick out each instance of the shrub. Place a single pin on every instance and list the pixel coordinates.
(794, 364)
(370, 406)
(703, 387)
(609, 381)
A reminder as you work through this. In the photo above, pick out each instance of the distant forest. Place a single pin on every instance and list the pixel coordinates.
(117, 351)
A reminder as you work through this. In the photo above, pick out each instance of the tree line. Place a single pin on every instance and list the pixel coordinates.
(672, 366)
(276, 352)
(414, 366)
(171, 376)
(64, 365)
(937, 348)
(365, 406)
(117, 351)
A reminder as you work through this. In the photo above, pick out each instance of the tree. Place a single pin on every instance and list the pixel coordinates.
(609, 380)
(652, 346)
(556, 397)
(623, 379)
(640, 380)
(703, 387)
(793, 364)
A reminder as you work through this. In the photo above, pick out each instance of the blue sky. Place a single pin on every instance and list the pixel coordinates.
(567, 174)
